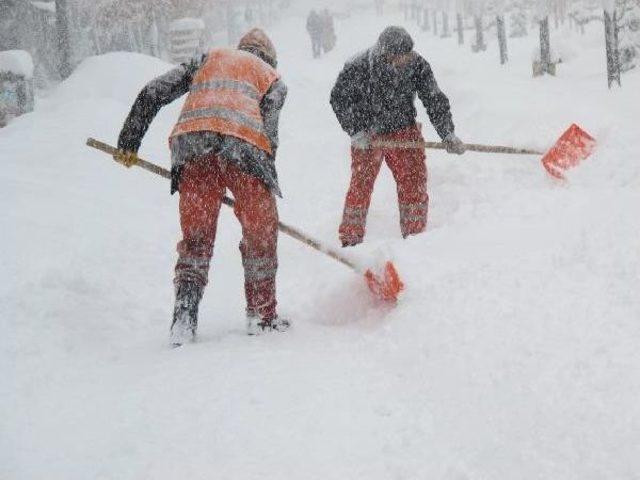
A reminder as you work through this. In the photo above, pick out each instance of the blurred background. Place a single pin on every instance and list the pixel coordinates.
(59, 34)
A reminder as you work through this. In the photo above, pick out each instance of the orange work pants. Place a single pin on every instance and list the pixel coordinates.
(203, 183)
(409, 170)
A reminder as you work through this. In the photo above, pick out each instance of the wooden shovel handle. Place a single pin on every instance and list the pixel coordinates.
(473, 147)
(163, 172)
(283, 227)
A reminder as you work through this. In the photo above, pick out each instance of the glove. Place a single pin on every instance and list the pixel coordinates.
(361, 140)
(128, 159)
(453, 144)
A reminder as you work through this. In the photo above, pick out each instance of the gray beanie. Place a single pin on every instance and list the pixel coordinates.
(395, 40)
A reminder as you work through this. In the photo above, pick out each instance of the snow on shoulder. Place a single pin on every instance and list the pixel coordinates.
(18, 62)
(117, 76)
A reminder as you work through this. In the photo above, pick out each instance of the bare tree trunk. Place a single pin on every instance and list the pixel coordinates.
(479, 45)
(611, 45)
(64, 45)
(545, 47)
(460, 26)
(502, 39)
(435, 23)
(445, 25)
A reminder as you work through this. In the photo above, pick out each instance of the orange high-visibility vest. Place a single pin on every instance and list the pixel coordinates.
(225, 97)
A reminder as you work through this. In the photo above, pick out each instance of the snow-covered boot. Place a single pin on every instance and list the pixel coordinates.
(185, 313)
(256, 325)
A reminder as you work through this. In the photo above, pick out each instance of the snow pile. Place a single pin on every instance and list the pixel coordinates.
(18, 62)
(518, 331)
(117, 76)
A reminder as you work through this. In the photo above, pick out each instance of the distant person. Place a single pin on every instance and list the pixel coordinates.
(373, 99)
(379, 6)
(328, 31)
(225, 138)
(314, 27)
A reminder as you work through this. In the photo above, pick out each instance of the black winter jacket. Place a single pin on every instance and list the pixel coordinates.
(371, 95)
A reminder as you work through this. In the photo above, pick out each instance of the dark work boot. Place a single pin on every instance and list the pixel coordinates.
(185, 313)
(350, 243)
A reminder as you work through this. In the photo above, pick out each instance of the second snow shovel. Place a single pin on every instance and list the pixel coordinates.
(385, 285)
(571, 148)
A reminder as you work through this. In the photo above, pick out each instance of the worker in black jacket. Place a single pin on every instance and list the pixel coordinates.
(373, 100)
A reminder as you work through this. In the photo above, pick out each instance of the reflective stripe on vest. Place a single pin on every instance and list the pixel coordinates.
(222, 113)
(225, 97)
(242, 87)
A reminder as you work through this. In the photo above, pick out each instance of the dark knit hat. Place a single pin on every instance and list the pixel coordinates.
(395, 40)
(257, 42)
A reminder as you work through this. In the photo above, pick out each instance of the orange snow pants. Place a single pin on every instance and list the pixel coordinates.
(203, 183)
(409, 170)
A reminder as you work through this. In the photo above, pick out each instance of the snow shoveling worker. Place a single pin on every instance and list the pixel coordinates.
(373, 99)
(226, 137)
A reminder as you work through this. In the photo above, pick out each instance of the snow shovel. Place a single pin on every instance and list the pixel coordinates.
(385, 285)
(571, 148)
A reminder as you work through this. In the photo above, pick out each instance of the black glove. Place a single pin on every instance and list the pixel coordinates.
(453, 144)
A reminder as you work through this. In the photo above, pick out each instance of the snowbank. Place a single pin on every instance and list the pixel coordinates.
(18, 62)
(118, 76)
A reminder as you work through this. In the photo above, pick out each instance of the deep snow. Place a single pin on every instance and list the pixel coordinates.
(513, 353)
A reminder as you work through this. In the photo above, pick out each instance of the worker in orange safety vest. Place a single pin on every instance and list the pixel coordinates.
(225, 138)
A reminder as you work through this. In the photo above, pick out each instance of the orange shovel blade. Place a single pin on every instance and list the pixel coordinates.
(571, 148)
(386, 286)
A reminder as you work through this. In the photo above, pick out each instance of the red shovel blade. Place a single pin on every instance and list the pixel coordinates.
(571, 148)
(387, 286)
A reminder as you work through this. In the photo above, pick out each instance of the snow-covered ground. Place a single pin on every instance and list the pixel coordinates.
(513, 354)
